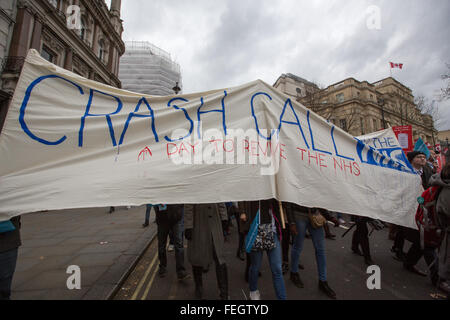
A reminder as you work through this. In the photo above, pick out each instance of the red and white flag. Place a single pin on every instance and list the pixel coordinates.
(396, 65)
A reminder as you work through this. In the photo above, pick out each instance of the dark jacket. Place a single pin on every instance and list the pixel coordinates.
(206, 221)
(250, 208)
(291, 208)
(171, 215)
(11, 240)
(426, 175)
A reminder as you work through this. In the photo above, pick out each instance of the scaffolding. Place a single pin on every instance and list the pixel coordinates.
(147, 69)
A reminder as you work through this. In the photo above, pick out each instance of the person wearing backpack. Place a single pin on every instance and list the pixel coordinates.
(264, 234)
(442, 210)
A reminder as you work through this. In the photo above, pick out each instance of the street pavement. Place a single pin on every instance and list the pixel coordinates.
(105, 246)
(347, 275)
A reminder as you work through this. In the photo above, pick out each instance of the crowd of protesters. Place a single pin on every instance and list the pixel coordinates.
(279, 229)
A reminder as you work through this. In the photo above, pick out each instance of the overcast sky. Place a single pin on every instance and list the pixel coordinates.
(225, 43)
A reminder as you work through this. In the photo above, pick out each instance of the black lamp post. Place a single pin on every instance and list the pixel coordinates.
(176, 89)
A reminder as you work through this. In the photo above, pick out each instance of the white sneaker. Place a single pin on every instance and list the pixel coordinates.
(255, 295)
(170, 248)
(341, 221)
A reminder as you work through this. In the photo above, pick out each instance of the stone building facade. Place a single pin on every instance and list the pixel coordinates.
(83, 36)
(361, 107)
(8, 11)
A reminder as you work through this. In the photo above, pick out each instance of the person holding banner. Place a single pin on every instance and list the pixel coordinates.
(301, 219)
(168, 218)
(204, 225)
(361, 238)
(418, 160)
(264, 234)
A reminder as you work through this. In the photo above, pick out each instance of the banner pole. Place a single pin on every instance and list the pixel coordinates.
(283, 224)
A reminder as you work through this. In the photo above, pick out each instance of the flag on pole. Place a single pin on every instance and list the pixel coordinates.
(396, 65)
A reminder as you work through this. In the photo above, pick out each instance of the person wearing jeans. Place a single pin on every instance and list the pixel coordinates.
(274, 256)
(148, 209)
(299, 222)
(168, 218)
(269, 214)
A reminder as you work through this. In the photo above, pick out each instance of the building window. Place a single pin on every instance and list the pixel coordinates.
(358, 93)
(340, 97)
(362, 125)
(371, 97)
(47, 54)
(343, 124)
(375, 125)
(101, 50)
(83, 29)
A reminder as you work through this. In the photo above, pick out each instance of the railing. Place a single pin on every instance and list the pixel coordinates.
(13, 64)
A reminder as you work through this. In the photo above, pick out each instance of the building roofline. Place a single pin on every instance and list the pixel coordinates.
(297, 78)
(395, 80)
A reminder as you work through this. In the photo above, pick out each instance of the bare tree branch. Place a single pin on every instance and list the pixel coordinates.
(445, 92)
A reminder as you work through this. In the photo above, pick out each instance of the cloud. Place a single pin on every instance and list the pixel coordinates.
(227, 43)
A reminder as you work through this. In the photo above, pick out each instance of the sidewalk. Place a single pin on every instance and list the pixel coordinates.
(105, 247)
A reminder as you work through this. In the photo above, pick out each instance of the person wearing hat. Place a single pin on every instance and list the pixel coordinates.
(418, 160)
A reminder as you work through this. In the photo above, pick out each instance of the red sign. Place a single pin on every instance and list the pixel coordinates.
(404, 137)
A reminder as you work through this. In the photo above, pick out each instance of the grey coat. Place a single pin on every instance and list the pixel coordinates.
(206, 222)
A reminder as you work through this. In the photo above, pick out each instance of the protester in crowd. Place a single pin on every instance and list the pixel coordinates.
(168, 218)
(229, 223)
(171, 245)
(361, 238)
(243, 220)
(442, 209)
(268, 238)
(301, 219)
(9, 248)
(418, 161)
(432, 162)
(111, 209)
(148, 209)
(240, 253)
(340, 218)
(204, 225)
(328, 234)
(285, 244)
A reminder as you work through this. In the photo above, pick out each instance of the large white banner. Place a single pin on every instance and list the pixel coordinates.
(69, 142)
